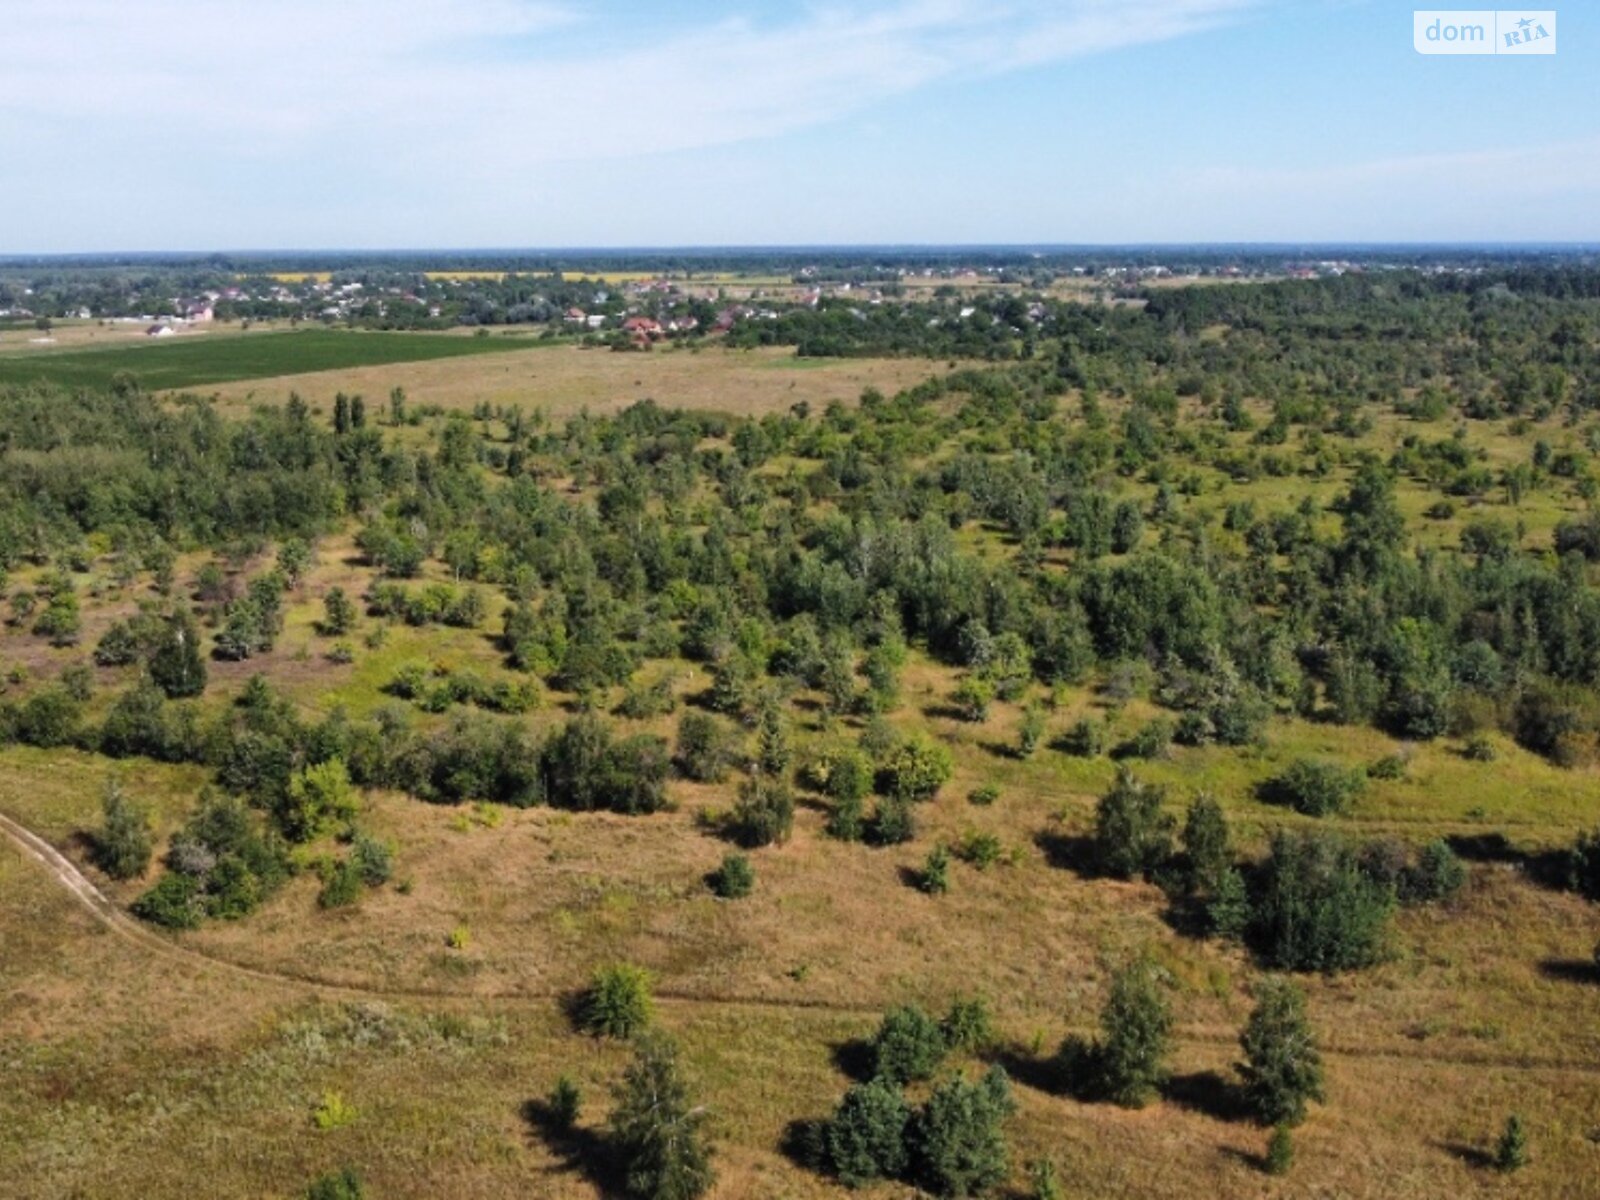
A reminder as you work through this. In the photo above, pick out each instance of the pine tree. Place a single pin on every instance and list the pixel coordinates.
(658, 1131)
(773, 752)
(1511, 1154)
(1282, 1068)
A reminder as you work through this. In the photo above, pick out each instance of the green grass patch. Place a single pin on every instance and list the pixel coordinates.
(223, 359)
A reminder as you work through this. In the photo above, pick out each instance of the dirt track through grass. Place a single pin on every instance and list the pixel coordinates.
(83, 889)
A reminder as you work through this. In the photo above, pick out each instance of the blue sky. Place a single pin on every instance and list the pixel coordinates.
(177, 124)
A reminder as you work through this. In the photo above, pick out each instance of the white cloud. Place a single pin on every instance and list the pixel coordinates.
(434, 82)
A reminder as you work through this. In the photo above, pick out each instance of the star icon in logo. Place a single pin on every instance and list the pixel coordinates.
(1524, 23)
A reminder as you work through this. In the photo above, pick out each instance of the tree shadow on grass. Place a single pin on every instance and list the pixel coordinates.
(1069, 852)
(1210, 1093)
(1472, 1156)
(586, 1152)
(855, 1059)
(801, 1142)
(1571, 970)
(1042, 1072)
(1548, 868)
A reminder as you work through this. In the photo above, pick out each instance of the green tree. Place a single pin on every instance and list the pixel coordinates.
(618, 1002)
(1132, 835)
(1282, 1068)
(773, 752)
(706, 747)
(763, 815)
(959, 1139)
(658, 1131)
(865, 1139)
(123, 845)
(176, 665)
(908, 1046)
(1207, 845)
(338, 612)
(1136, 1035)
(315, 796)
(1316, 909)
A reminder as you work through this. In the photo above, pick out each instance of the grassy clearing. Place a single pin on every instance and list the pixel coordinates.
(564, 380)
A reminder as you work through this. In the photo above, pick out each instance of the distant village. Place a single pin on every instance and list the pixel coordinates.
(626, 313)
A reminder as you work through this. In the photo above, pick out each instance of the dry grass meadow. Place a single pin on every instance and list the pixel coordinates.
(564, 380)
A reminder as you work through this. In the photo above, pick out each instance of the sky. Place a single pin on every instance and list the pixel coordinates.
(368, 124)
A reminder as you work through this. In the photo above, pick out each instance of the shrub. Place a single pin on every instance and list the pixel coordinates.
(657, 1131)
(1153, 739)
(1280, 1151)
(934, 878)
(1479, 748)
(972, 698)
(1316, 788)
(846, 820)
(1437, 874)
(341, 885)
(343, 1184)
(1390, 766)
(123, 846)
(980, 850)
(565, 1102)
(706, 747)
(1511, 1152)
(1136, 1036)
(173, 903)
(618, 1002)
(916, 769)
(333, 1111)
(849, 775)
(907, 1047)
(959, 1143)
(1132, 835)
(893, 822)
(865, 1139)
(1282, 1068)
(1044, 1181)
(1583, 869)
(372, 860)
(1031, 732)
(983, 796)
(1317, 909)
(968, 1026)
(764, 813)
(1087, 738)
(316, 795)
(735, 878)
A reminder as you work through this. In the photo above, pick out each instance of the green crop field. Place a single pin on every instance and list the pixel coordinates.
(184, 364)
